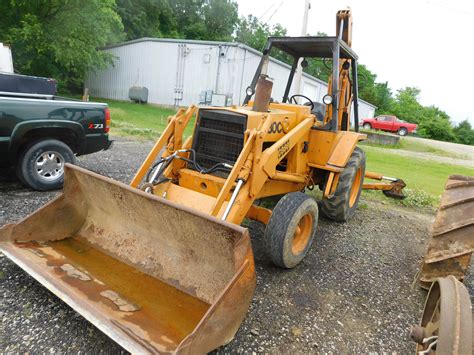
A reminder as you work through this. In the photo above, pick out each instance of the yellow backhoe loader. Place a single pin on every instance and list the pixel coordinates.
(163, 265)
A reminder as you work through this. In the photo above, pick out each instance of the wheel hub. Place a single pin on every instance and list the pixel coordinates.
(302, 234)
(354, 192)
(49, 166)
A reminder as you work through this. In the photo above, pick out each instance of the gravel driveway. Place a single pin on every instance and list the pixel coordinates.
(467, 162)
(352, 294)
(459, 149)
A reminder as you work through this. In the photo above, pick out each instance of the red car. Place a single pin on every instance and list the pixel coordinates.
(390, 124)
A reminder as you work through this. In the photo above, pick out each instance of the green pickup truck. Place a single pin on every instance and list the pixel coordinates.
(40, 133)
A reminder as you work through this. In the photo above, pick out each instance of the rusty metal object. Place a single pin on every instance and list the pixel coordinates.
(393, 189)
(396, 189)
(263, 93)
(151, 274)
(452, 239)
(446, 324)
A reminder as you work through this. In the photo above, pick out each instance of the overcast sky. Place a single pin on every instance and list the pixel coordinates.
(423, 43)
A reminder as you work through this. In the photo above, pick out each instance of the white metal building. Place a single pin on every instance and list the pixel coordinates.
(6, 61)
(183, 72)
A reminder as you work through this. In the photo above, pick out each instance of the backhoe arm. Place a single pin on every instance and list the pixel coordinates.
(344, 26)
(344, 84)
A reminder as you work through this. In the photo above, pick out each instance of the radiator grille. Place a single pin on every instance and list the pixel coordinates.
(219, 137)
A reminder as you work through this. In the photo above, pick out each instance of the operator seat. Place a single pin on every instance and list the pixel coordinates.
(319, 110)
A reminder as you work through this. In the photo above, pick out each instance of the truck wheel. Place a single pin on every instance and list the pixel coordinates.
(367, 126)
(291, 229)
(342, 205)
(402, 131)
(41, 165)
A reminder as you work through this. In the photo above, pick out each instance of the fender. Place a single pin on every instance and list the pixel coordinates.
(331, 150)
(345, 145)
(24, 128)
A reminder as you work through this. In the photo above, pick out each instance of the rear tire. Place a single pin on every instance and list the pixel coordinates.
(291, 229)
(342, 205)
(41, 165)
(402, 131)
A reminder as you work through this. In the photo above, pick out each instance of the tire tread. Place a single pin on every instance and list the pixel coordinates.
(337, 207)
(23, 171)
(276, 229)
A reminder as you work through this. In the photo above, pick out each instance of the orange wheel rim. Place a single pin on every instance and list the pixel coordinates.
(355, 187)
(302, 234)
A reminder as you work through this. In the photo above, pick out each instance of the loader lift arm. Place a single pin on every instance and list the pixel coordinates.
(254, 168)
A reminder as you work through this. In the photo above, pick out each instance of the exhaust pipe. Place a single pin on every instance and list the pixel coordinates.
(263, 93)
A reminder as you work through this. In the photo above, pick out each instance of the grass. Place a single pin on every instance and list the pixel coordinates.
(419, 174)
(139, 120)
(425, 179)
(414, 146)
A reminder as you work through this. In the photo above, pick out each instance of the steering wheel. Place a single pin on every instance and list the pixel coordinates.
(309, 103)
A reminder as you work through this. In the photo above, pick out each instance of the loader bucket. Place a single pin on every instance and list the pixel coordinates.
(151, 274)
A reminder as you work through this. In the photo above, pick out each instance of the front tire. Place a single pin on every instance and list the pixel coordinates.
(367, 126)
(291, 229)
(41, 165)
(402, 131)
(342, 205)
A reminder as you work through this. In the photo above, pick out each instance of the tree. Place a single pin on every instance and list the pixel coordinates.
(147, 18)
(319, 68)
(189, 19)
(59, 38)
(406, 105)
(205, 19)
(220, 19)
(378, 94)
(464, 133)
(432, 122)
(436, 127)
(254, 33)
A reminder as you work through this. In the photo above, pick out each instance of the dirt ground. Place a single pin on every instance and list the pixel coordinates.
(352, 294)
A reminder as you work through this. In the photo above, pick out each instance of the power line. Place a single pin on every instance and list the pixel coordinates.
(266, 11)
(274, 12)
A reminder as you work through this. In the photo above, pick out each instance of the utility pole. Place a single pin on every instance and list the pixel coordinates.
(304, 32)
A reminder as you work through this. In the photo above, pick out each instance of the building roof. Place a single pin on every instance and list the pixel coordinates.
(216, 44)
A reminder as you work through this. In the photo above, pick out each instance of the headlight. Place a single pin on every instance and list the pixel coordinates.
(249, 91)
(327, 99)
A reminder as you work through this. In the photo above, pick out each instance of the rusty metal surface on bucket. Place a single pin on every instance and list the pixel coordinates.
(151, 274)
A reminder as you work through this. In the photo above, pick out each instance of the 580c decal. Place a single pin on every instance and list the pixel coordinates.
(285, 147)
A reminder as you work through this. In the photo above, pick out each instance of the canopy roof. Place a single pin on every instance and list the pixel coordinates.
(311, 46)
